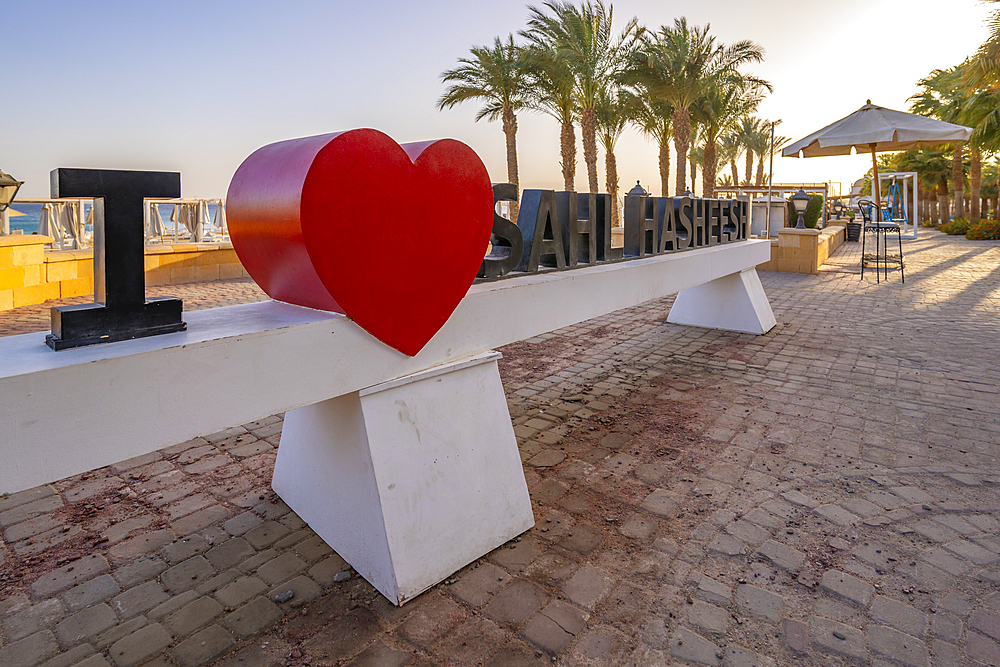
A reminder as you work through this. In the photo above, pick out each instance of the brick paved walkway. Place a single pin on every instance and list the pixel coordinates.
(823, 494)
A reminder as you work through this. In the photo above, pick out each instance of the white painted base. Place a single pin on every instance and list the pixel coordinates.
(735, 302)
(411, 479)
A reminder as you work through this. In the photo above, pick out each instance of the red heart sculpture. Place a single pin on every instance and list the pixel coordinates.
(391, 236)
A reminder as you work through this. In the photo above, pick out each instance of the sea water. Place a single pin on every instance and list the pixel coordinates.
(32, 212)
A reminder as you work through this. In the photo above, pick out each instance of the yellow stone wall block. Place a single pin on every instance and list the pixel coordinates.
(171, 261)
(231, 271)
(56, 271)
(183, 274)
(158, 277)
(76, 287)
(151, 262)
(28, 254)
(34, 274)
(85, 268)
(26, 296)
(6, 257)
(12, 278)
(6, 299)
(207, 257)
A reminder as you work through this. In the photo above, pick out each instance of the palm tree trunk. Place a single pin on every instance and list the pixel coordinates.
(682, 135)
(510, 131)
(760, 171)
(611, 181)
(665, 168)
(588, 126)
(567, 149)
(957, 184)
(694, 174)
(943, 201)
(736, 173)
(708, 169)
(749, 169)
(975, 183)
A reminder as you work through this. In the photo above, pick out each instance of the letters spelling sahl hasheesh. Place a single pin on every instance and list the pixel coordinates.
(559, 230)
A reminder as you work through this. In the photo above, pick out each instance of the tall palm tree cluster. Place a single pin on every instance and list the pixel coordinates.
(674, 83)
(967, 94)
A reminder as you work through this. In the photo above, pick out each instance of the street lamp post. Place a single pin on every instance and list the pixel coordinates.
(800, 200)
(8, 189)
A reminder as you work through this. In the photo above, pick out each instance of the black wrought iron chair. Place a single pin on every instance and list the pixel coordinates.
(883, 229)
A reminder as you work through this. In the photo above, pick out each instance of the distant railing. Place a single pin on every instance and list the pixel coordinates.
(70, 222)
(193, 221)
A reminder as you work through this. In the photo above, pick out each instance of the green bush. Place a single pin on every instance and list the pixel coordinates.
(984, 230)
(959, 226)
(811, 216)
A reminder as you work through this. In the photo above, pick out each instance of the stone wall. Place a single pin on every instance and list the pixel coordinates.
(30, 274)
(803, 250)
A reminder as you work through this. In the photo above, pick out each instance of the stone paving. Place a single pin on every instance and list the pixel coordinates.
(825, 494)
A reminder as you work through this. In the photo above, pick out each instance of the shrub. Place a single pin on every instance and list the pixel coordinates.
(984, 230)
(811, 216)
(959, 226)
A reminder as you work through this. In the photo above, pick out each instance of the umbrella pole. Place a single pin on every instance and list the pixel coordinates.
(878, 209)
(875, 187)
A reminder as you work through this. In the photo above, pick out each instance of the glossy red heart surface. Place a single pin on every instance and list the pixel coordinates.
(390, 235)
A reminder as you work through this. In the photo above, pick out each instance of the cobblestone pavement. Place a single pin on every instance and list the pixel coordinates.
(195, 296)
(825, 494)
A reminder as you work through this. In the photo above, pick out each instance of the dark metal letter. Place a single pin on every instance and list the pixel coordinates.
(506, 238)
(579, 231)
(641, 226)
(538, 220)
(120, 310)
(683, 216)
(668, 228)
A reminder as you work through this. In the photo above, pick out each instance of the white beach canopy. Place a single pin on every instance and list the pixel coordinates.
(154, 221)
(203, 220)
(877, 129)
(220, 215)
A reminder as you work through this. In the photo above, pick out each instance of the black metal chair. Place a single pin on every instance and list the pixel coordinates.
(883, 229)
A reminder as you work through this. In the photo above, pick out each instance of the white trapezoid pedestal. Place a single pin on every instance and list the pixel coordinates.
(411, 479)
(735, 302)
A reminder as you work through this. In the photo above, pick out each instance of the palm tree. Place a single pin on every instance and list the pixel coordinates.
(729, 151)
(495, 76)
(943, 97)
(676, 63)
(551, 86)
(613, 111)
(696, 155)
(762, 144)
(727, 99)
(581, 38)
(654, 119)
(991, 190)
(931, 166)
(748, 131)
(984, 68)
(982, 112)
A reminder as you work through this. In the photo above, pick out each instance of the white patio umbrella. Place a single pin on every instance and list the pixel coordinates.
(69, 220)
(220, 215)
(202, 219)
(48, 223)
(154, 221)
(878, 130)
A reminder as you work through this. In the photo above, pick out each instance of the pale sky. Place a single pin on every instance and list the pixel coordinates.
(197, 86)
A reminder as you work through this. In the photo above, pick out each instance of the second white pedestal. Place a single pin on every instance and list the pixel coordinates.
(736, 302)
(409, 480)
